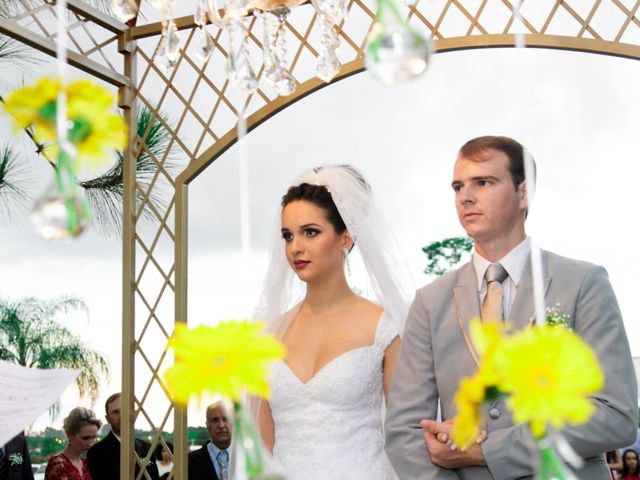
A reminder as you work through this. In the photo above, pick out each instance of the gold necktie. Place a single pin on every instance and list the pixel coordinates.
(492, 303)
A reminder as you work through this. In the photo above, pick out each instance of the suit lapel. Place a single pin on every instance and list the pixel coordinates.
(207, 463)
(523, 310)
(467, 304)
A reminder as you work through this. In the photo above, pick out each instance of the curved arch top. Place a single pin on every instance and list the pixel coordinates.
(556, 42)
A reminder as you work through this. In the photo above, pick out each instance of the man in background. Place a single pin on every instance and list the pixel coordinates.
(211, 461)
(15, 461)
(104, 457)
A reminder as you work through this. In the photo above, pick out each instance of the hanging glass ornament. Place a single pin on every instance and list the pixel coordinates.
(251, 461)
(551, 466)
(56, 216)
(125, 10)
(61, 211)
(395, 52)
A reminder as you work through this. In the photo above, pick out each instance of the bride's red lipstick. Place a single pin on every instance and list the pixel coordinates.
(300, 264)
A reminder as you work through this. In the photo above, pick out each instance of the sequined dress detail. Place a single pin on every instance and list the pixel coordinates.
(331, 426)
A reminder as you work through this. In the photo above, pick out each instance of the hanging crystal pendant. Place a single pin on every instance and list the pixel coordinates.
(125, 10)
(61, 211)
(162, 60)
(235, 10)
(214, 14)
(200, 15)
(158, 4)
(205, 47)
(172, 40)
(327, 64)
(395, 52)
(333, 10)
(239, 70)
(275, 57)
(267, 52)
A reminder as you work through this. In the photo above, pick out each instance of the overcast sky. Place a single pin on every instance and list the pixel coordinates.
(576, 113)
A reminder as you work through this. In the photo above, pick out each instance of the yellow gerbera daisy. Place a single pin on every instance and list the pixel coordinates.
(94, 129)
(468, 398)
(35, 105)
(227, 359)
(549, 374)
(472, 391)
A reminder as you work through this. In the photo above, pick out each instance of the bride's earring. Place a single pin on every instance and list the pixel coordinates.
(346, 261)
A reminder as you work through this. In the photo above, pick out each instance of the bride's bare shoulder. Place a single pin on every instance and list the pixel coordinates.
(367, 311)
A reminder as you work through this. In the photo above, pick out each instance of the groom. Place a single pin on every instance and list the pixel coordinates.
(490, 198)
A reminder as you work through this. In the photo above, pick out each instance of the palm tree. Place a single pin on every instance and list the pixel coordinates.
(30, 336)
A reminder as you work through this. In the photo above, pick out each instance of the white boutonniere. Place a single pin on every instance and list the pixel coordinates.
(556, 317)
(15, 459)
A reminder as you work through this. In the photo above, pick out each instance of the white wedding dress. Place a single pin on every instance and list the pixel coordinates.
(330, 428)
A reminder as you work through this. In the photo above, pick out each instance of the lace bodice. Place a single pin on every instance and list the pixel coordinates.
(331, 426)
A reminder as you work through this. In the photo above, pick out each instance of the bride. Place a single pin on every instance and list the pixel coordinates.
(324, 417)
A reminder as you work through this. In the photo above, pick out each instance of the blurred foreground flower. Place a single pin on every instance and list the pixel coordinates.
(227, 359)
(90, 131)
(473, 391)
(93, 129)
(547, 372)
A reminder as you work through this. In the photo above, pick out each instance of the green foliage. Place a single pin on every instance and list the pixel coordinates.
(30, 336)
(14, 182)
(105, 192)
(444, 255)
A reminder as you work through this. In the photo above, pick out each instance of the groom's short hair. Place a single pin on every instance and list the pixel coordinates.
(513, 149)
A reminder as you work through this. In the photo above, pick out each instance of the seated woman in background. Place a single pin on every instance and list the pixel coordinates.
(164, 462)
(81, 428)
(630, 465)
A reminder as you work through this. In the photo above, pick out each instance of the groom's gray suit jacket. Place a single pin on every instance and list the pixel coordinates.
(436, 353)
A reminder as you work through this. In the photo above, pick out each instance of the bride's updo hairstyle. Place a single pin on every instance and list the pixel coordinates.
(320, 196)
(78, 418)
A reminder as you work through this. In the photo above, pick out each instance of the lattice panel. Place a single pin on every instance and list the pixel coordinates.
(201, 107)
(86, 38)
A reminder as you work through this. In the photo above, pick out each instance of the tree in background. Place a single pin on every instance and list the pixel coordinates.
(31, 336)
(444, 255)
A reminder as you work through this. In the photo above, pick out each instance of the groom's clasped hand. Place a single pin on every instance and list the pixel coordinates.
(445, 453)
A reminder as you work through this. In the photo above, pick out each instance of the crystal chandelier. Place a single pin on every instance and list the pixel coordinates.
(395, 52)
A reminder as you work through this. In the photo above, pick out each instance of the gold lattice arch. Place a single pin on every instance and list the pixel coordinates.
(204, 110)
